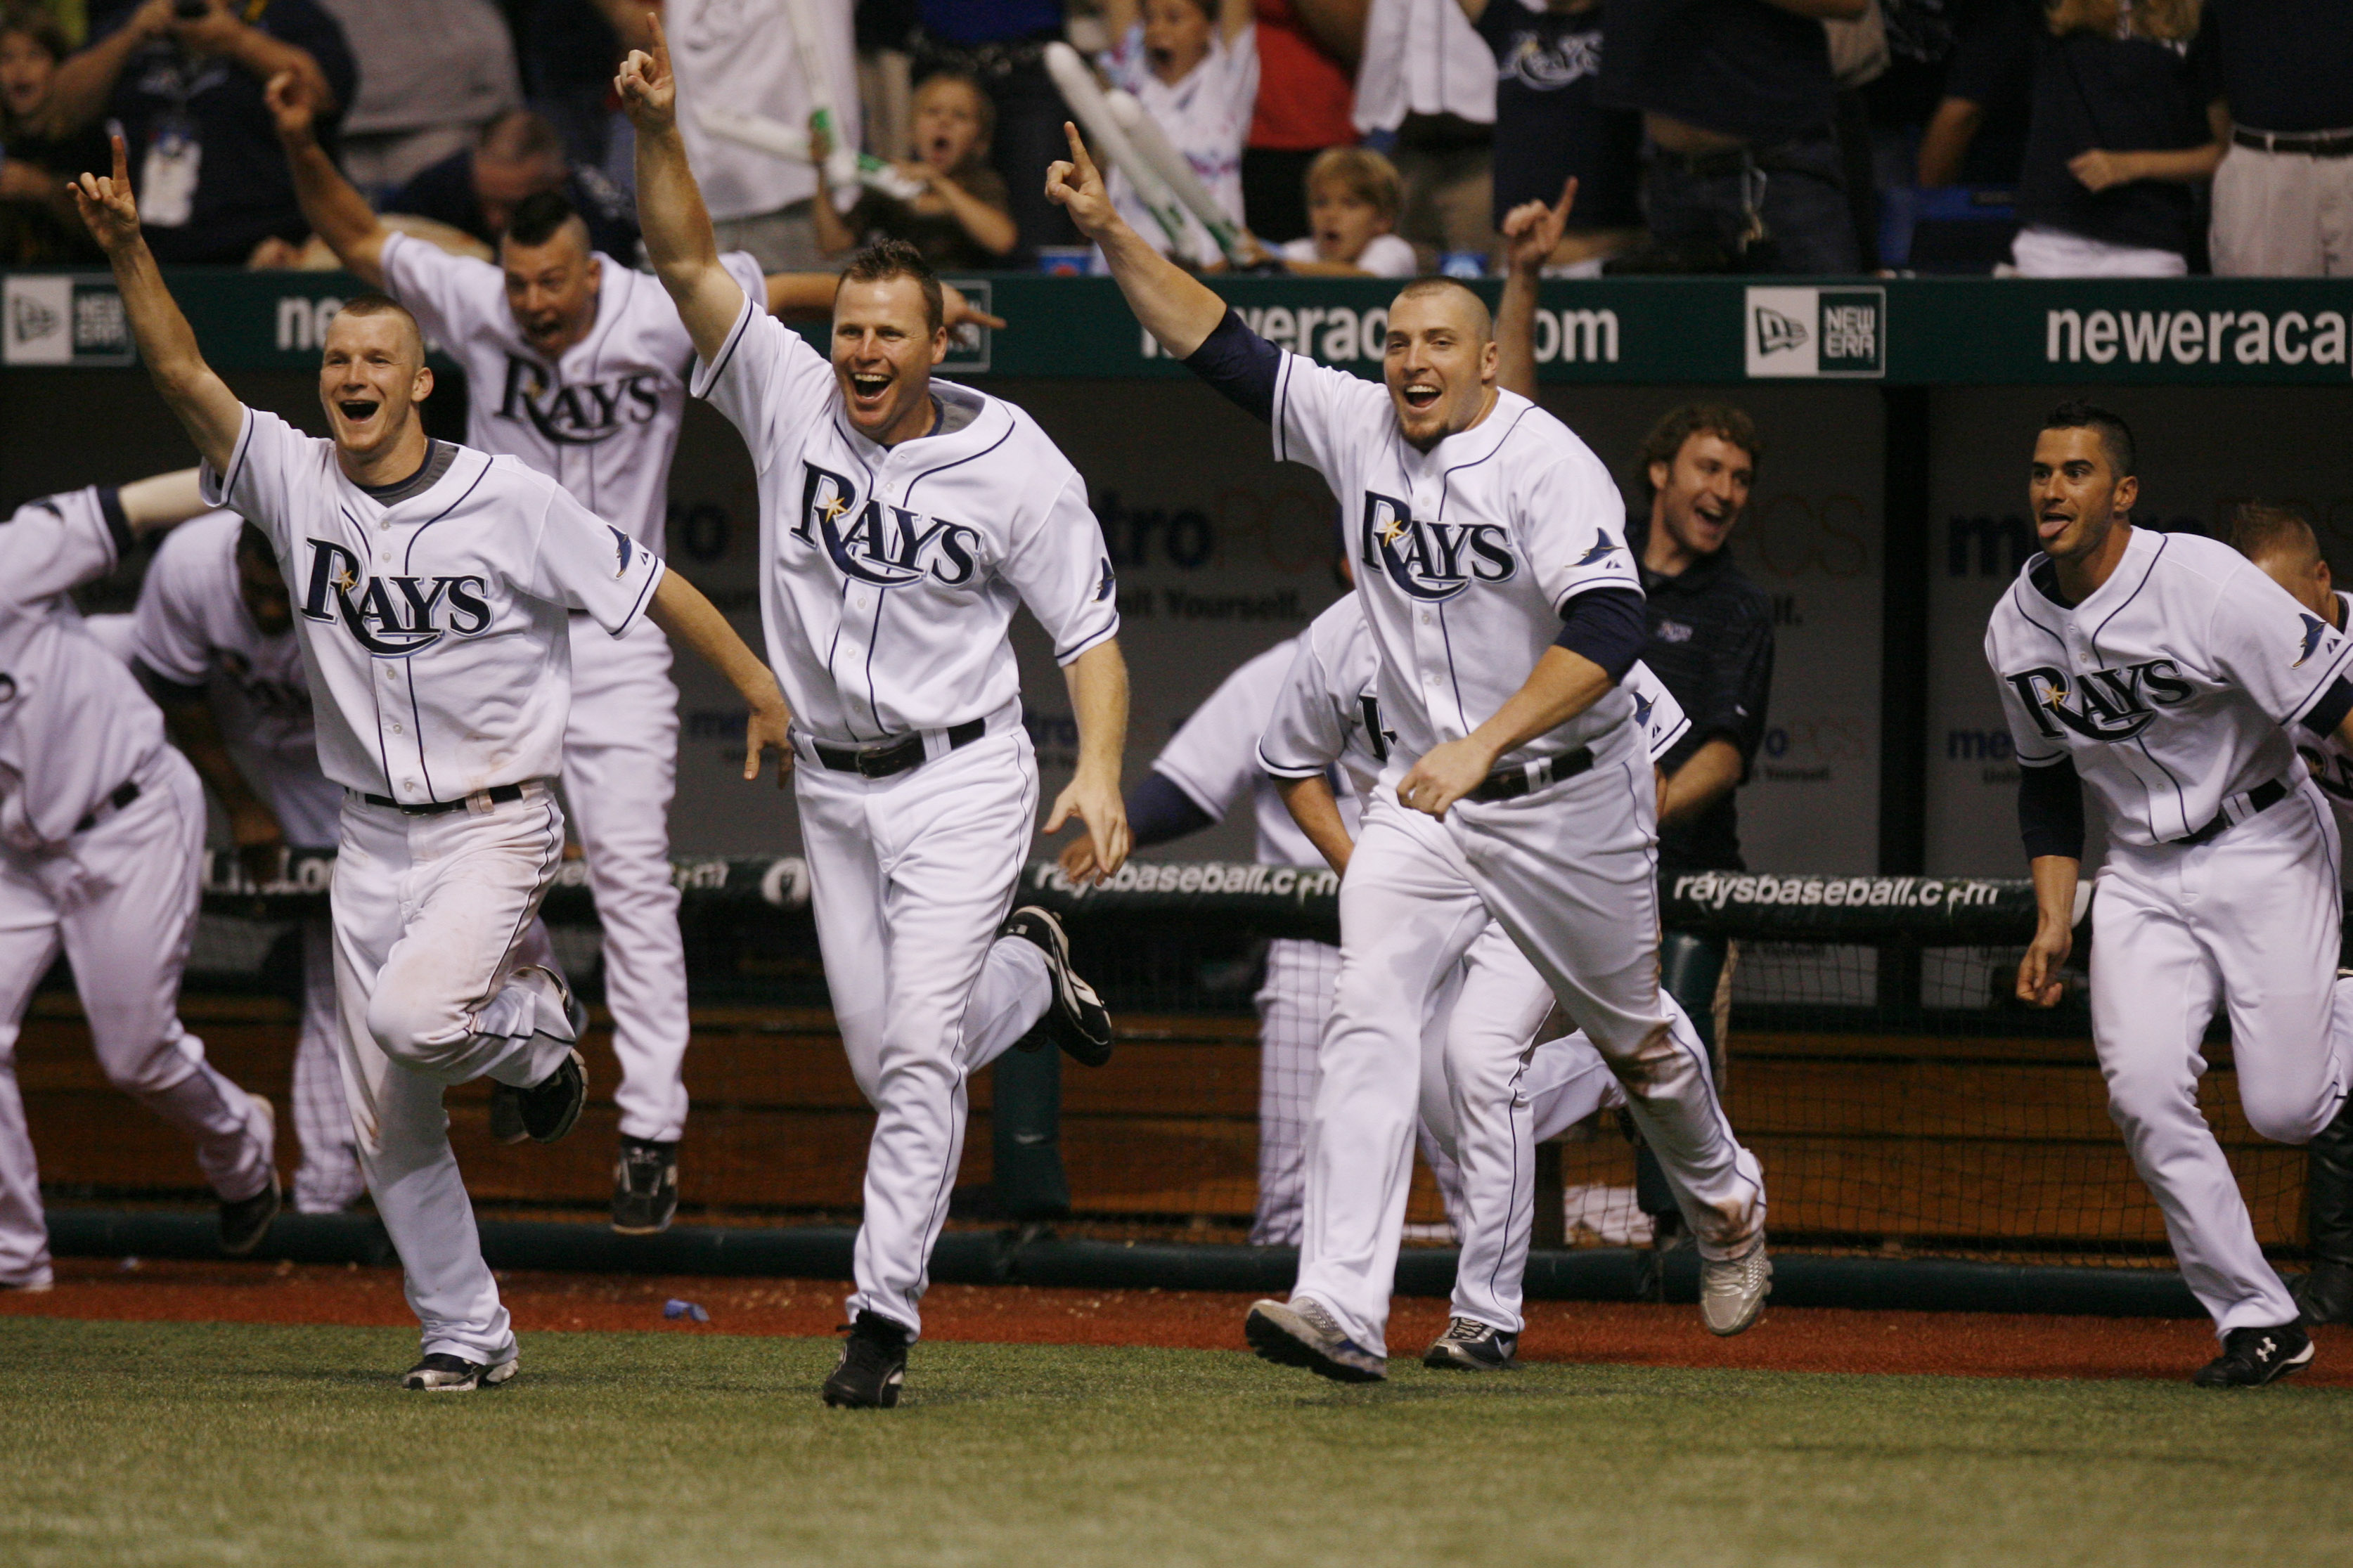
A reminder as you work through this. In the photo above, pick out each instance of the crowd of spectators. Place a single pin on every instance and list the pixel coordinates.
(2047, 138)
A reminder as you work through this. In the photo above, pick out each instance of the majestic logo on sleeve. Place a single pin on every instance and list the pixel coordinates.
(2107, 705)
(579, 415)
(1432, 560)
(888, 546)
(2315, 629)
(391, 614)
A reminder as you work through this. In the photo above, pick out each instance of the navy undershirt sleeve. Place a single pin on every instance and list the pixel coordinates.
(2330, 711)
(2050, 810)
(1158, 811)
(1606, 626)
(109, 506)
(1240, 363)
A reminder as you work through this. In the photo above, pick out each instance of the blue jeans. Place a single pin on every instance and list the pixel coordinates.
(1781, 208)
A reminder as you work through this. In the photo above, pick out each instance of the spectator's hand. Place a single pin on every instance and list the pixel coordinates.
(214, 33)
(955, 311)
(648, 92)
(1532, 231)
(1076, 186)
(105, 205)
(152, 20)
(291, 108)
(2097, 169)
(274, 255)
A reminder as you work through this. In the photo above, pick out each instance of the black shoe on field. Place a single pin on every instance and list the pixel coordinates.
(546, 1111)
(873, 1365)
(245, 1221)
(2253, 1357)
(1076, 1018)
(1469, 1345)
(441, 1373)
(645, 1186)
(2325, 1294)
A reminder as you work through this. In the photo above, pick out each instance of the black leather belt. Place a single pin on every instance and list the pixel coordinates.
(2261, 798)
(883, 762)
(1510, 783)
(124, 794)
(499, 794)
(2311, 144)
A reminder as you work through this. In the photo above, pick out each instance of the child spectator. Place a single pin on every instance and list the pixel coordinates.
(37, 215)
(964, 219)
(1549, 128)
(1353, 195)
(1193, 64)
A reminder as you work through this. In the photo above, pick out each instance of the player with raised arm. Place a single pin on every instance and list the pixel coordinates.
(433, 588)
(901, 520)
(2166, 674)
(101, 857)
(577, 365)
(1502, 604)
(1499, 1075)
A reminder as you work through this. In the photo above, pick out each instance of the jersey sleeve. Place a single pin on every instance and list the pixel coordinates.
(59, 543)
(1213, 756)
(264, 479)
(745, 269)
(1664, 723)
(166, 628)
(448, 294)
(1572, 526)
(1057, 563)
(1309, 727)
(1320, 413)
(2281, 654)
(765, 378)
(1241, 78)
(583, 563)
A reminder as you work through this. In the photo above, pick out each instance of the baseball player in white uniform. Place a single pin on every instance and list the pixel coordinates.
(1504, 608)
(101, 846)
(1498, 1074)
(2280, 542)
(902, 521)
(433, 587)
(577, 364)
(2165, 672)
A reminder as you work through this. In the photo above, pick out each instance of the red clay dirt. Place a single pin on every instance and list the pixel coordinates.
(1793, 1339)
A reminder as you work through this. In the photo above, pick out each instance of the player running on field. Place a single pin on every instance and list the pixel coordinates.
(433, 588)
(1499, 1072)
(2281, 543)
(2165, 673)
(577, 365)
(1502, 604)
(901, 520)
(101, 854)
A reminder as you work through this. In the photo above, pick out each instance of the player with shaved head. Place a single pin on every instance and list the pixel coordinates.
(434, 588)
(1489, 558)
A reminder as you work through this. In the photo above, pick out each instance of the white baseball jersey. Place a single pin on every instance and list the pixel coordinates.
(1384, 256)
(1466, 555)
(1206, 117)
(2328, 757)
(602, 420)
(2170, 687)
(192, 628)
(74, 726)
(1327, 710)
(889, 575)
(114, 633)
(434, 630)
(1214, 758)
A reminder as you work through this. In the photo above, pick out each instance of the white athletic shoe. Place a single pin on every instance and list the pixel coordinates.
(441, 1373)
(1732, 1290)
(1300, 1332)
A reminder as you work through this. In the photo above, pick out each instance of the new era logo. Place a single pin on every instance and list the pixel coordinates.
(1817, 332)
(1778, 333)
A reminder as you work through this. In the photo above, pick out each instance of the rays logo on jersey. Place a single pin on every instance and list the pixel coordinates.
(578, 415)
(1432, 560)
(1604, 547)
(2107, 705)
(391, 614)
(2315, 629)
(887, 546)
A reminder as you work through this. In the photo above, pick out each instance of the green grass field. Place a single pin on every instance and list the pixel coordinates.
(135, 1442)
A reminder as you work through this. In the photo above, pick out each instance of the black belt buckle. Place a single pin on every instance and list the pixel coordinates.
(885, 761)
(500, 794)
(2260, 799)
(1510, 783)
(899, 756)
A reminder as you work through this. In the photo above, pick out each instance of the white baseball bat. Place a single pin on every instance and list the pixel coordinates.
(1086, 100)
(1152, 145)
(809, 48)
(778, 140)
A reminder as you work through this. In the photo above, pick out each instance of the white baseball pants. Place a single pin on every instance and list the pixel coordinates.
(620, 770)
(120, 899)
(909, 877)
(430, 914)
(1569, 873)
(2250, 920)
(1294, 1001)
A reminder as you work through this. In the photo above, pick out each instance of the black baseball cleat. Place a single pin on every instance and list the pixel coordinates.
(2253, 1357)
(1076, 1018)
(873, 1365)
(645, 1186)
(2325, 1294)
(245, 1221)
(546, 1111)
(1469, 1345)
(506, 1115)
(442, 1373)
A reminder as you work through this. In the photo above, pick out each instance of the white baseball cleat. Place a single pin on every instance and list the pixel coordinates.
(442, 1373)
(1300, 1332)
(1732, 1290)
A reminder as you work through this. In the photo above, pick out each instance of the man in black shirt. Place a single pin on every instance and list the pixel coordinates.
(519, 155)
(1550, 127)
(2284, 195)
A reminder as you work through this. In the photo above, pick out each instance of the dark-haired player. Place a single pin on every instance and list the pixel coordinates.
(2168, 674)
(577, 364)
(901, 520)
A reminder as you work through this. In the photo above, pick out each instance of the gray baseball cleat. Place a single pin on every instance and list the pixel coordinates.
(645, 1186)
(245, 1221)
(1469, 1345)
(442, 1373)
(1300, 1332)
(1732, 1290)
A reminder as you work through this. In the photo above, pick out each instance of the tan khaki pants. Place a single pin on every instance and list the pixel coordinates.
(2283, 215)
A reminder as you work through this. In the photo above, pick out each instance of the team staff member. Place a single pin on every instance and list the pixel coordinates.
(577, 365)
(901, 520)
